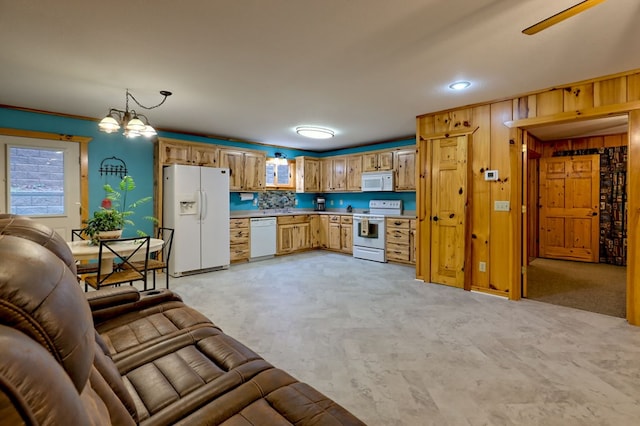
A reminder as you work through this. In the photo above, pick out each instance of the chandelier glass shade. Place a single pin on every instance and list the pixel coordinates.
(130, 119)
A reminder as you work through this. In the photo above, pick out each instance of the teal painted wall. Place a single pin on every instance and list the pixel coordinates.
(138, 155)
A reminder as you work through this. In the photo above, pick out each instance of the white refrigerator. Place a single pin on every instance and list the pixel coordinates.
(196, 206)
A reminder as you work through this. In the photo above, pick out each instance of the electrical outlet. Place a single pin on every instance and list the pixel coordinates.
(482, 266)
(340, 202)
(330, 202)
(501, 206)
(255, 201)
(295, 202)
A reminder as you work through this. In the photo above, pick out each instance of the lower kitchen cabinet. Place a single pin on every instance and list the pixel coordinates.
(400, 246)
(340, 235)
(239, 240)
(294, 233)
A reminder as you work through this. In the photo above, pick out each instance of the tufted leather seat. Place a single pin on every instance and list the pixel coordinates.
(149, 359)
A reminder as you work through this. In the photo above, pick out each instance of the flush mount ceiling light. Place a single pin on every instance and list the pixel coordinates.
(459, 85)
(130, 119)
(315, 132)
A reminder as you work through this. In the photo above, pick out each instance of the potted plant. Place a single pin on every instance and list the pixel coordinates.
(115, 213)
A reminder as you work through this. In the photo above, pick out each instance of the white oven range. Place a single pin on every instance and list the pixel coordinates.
(369, 234)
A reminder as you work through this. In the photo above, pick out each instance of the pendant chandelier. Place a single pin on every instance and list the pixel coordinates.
(130, 119)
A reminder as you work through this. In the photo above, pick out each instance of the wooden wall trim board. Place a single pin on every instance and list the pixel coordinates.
(633, 224)
(567, 116)
(84, 157)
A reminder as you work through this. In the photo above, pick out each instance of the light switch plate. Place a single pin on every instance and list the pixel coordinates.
(501, 206)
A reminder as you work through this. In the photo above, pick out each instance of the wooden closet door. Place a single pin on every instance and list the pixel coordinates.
(569, 208)
(449, 194)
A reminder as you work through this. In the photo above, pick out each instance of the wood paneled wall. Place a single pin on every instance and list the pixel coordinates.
(497, 144)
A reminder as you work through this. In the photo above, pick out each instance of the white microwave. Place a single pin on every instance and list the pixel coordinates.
(377, 181)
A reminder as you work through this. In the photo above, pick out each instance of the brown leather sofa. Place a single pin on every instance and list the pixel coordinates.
(122, 357)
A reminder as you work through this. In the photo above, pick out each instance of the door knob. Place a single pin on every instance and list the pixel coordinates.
(435, 218)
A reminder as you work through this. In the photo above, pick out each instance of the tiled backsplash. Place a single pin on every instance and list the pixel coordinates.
(276, 199)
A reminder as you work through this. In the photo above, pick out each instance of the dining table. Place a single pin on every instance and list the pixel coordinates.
(83, 250)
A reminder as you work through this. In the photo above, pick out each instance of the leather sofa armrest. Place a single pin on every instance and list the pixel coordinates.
(111, 296)
(116, 303)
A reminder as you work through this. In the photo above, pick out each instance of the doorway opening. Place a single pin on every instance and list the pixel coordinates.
(565, 275)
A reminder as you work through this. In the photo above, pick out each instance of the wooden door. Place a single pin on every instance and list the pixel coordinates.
(204, 156)
(233, 160)
(369, 162)
(255, 171)
(405, 170)
(334, 241)
(286, 238)
(569, 208)
(325, 175)
(385, 160)
(339, 177)
(449, 194)
(354, 173)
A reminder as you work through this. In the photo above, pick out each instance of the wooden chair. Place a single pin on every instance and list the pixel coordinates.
(160, 259)
(83, 268)
(120, 252)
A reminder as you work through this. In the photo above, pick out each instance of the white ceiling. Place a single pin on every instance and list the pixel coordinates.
(255, 69)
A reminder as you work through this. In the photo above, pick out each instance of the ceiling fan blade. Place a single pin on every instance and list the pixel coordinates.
(561, 16)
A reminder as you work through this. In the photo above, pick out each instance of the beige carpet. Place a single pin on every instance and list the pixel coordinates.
(591, 287)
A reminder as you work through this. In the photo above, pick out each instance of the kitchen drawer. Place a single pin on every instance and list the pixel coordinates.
(334, 219)
(346, 219)
(239, 223)
(398, 252)
(295, 218)
(239, 235)
(398, 236)
(398, 223)
(239, 252)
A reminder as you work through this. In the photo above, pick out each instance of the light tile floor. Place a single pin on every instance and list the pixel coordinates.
(396, 351)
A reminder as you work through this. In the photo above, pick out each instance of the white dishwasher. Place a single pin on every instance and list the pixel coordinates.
(262, 237)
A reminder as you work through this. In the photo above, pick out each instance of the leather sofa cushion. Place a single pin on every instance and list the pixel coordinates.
(131, 332)
(41, 297)
(21, 226)
(41, 394)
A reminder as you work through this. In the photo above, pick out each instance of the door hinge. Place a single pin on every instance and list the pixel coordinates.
(523, 270)
(524, 208)
(524, 147)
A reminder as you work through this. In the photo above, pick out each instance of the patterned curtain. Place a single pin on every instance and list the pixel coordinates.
(613, 201)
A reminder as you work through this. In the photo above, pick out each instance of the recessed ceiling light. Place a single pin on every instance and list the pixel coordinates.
(315, 132)
(459, 85)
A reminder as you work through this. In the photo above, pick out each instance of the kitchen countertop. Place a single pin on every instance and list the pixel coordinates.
(237, 214)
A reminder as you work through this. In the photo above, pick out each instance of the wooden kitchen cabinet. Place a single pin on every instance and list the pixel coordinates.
(294, 233)
(239, 240)
(315, 230)
(340, 236)
(323, 231)
(333, 174)
(307, 174)
(354, 173)
(247, 169)
(405, 170)
(346, 234)
(377, 161)
(400, 245)
(193, 154)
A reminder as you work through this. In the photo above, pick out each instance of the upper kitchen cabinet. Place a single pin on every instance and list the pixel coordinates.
(307, 174)
(193, 154)
(354, 173)
(377, 161)
(333, 174)
(247, 169)
(405, 161)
